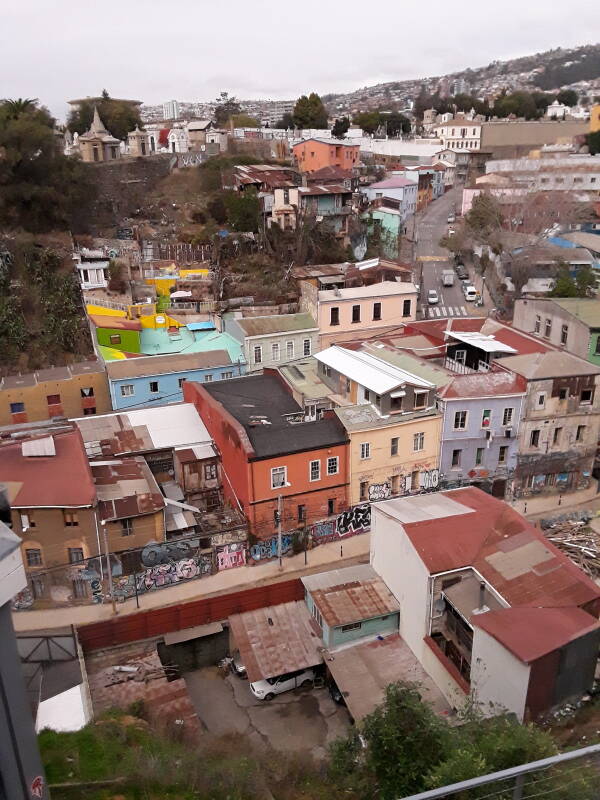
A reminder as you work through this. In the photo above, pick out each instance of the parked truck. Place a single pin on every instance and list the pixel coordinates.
(448, 277)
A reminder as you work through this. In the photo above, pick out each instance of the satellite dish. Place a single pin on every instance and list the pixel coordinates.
(160, 319)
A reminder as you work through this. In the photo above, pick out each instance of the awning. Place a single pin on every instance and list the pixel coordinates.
(399, 393)
(193, 633)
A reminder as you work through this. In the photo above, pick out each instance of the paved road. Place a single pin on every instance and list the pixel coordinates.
(431, 226)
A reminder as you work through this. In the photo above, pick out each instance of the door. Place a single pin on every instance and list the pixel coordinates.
(311, 412)
(499, 487)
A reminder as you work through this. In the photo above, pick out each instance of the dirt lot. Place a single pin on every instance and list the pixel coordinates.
(298, 720)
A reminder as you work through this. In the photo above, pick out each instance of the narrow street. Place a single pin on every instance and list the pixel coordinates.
(431, 225)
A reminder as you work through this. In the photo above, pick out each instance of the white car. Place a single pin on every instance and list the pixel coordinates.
(267, 689)
(432, 297)
(470, 293)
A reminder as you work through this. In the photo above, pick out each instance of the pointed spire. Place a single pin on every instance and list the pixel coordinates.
(97, 125)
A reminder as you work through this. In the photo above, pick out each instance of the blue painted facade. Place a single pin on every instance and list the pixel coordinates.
(343, 634)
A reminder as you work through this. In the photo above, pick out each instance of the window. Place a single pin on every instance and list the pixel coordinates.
(301, 513)
(75, 554)
(460, 420)
(317, 615)
(479, 456)
(53, 399)
(541, 400)
(258, 354)
(564, 333)
(556, 435)
(17, 408)
(365, 450)
(126, 526)
(334, 316)
(210, 472)
(306, 347)
(275, 351)
(79, 588)
(208, 378)
(364, 488)
(153, 387)
(534, 439)
(394, 446)
(580, 433)
(456, 458)
(278, 477)
(395, 403)
(486, 418)
(70, 518)
(37, 587)
(355, 313)
(180, 382)
(330, 506)
(418, 442)
(538, 324)
(562, 394)
(548, 328)
(115, 338)
(33, 557)
(333, 465)
(27, 521)
(226, 375)
(127, 390)
(507, 416)
(406, 308)
(89, 392)
(586, 397)
(315, 470)
(352, 626)
(376, 311)
(289, 350)
(420, 400)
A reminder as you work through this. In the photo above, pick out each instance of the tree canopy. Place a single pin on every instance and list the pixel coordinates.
(593, 142)
(40, 188)
(568, 97)
(118, 116)
(567, 286)
(309, 112)
(340, 127)
(286, 122)
(226, 107)
(242, 120)
(485, 217)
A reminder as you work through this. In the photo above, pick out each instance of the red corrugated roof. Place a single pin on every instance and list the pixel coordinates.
(63, 480)
(496, 533)
(485, 384)
(530, 633)
(522, 344)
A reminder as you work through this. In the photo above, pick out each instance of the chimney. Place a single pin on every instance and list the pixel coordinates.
(481, 596)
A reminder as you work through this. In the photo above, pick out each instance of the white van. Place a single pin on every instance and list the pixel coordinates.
(470, 293)
(267, 689)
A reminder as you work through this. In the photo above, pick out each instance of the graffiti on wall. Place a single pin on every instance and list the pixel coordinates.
(23, 600)
(429, 479)
(261, 551)
(379, 491)
(231, 555)
(165, 552)
(355, 520)
(162, 575)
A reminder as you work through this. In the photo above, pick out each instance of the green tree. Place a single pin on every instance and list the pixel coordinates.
(585, 281)
(593, 142)
(244, 121)
(568, 97)
(243, 210)
(40, 188)
(369, 121)
(118, 116)
(309, 112)
(396, 123)
(225, 108)
(485, 217)
(340, 127)
(286, 122)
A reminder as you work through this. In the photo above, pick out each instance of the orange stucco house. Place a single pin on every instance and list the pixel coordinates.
(314, 154)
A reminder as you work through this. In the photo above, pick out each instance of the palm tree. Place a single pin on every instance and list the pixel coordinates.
(15, 108)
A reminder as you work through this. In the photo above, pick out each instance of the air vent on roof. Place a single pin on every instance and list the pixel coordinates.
(39, 447)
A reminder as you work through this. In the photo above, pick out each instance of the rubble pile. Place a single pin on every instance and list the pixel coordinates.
(578, 541)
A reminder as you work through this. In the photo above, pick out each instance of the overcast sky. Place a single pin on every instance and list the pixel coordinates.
(193, 49)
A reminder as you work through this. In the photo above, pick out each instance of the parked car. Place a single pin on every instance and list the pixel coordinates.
(470, 292)
(267, 689)
(432, 297)
(461, 271)
(451, 218)
(451, 231)
(336, 694)
(237, 666)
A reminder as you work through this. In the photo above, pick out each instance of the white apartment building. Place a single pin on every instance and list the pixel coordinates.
(171, 109)
(459, 133)
(573, 173)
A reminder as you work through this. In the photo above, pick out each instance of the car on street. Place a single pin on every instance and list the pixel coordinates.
(267, 689)
(451, 219)
(451, 231)
(432, 297)
(461, 271)
(470, 292)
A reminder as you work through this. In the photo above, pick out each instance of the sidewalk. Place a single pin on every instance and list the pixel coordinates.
(327, 556)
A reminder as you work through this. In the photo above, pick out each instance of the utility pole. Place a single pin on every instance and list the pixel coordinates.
(108, 568)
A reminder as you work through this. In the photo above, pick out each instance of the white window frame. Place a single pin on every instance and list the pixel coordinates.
(420, 393)
(365, 451)
(316, 462)
(335, 462)
(306, 347)
(462, 427)
(275, 351)
(540, 400)
(289, 349)
(278, 471)
(507, 415)
(127, 390)
(257, 348)
(226, 375)
(208, 378)
(418, 442)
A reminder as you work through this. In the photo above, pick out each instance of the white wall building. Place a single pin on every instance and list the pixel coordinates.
(171, 110)
(459, 134)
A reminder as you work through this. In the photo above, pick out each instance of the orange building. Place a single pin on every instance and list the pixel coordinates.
(314, 154)
(272, 459)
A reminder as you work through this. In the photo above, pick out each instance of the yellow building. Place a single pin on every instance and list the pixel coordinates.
(595, 118)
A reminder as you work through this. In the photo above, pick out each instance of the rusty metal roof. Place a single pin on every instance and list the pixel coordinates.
(275, 640)
(126, 488)
(354, 601)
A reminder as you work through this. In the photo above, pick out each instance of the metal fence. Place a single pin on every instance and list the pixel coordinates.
(574, 776)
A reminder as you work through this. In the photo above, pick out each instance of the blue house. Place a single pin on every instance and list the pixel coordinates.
(351, 604)
(156, 380)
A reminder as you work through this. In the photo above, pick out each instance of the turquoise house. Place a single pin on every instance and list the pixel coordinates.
(387, 225)
(350, 604)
